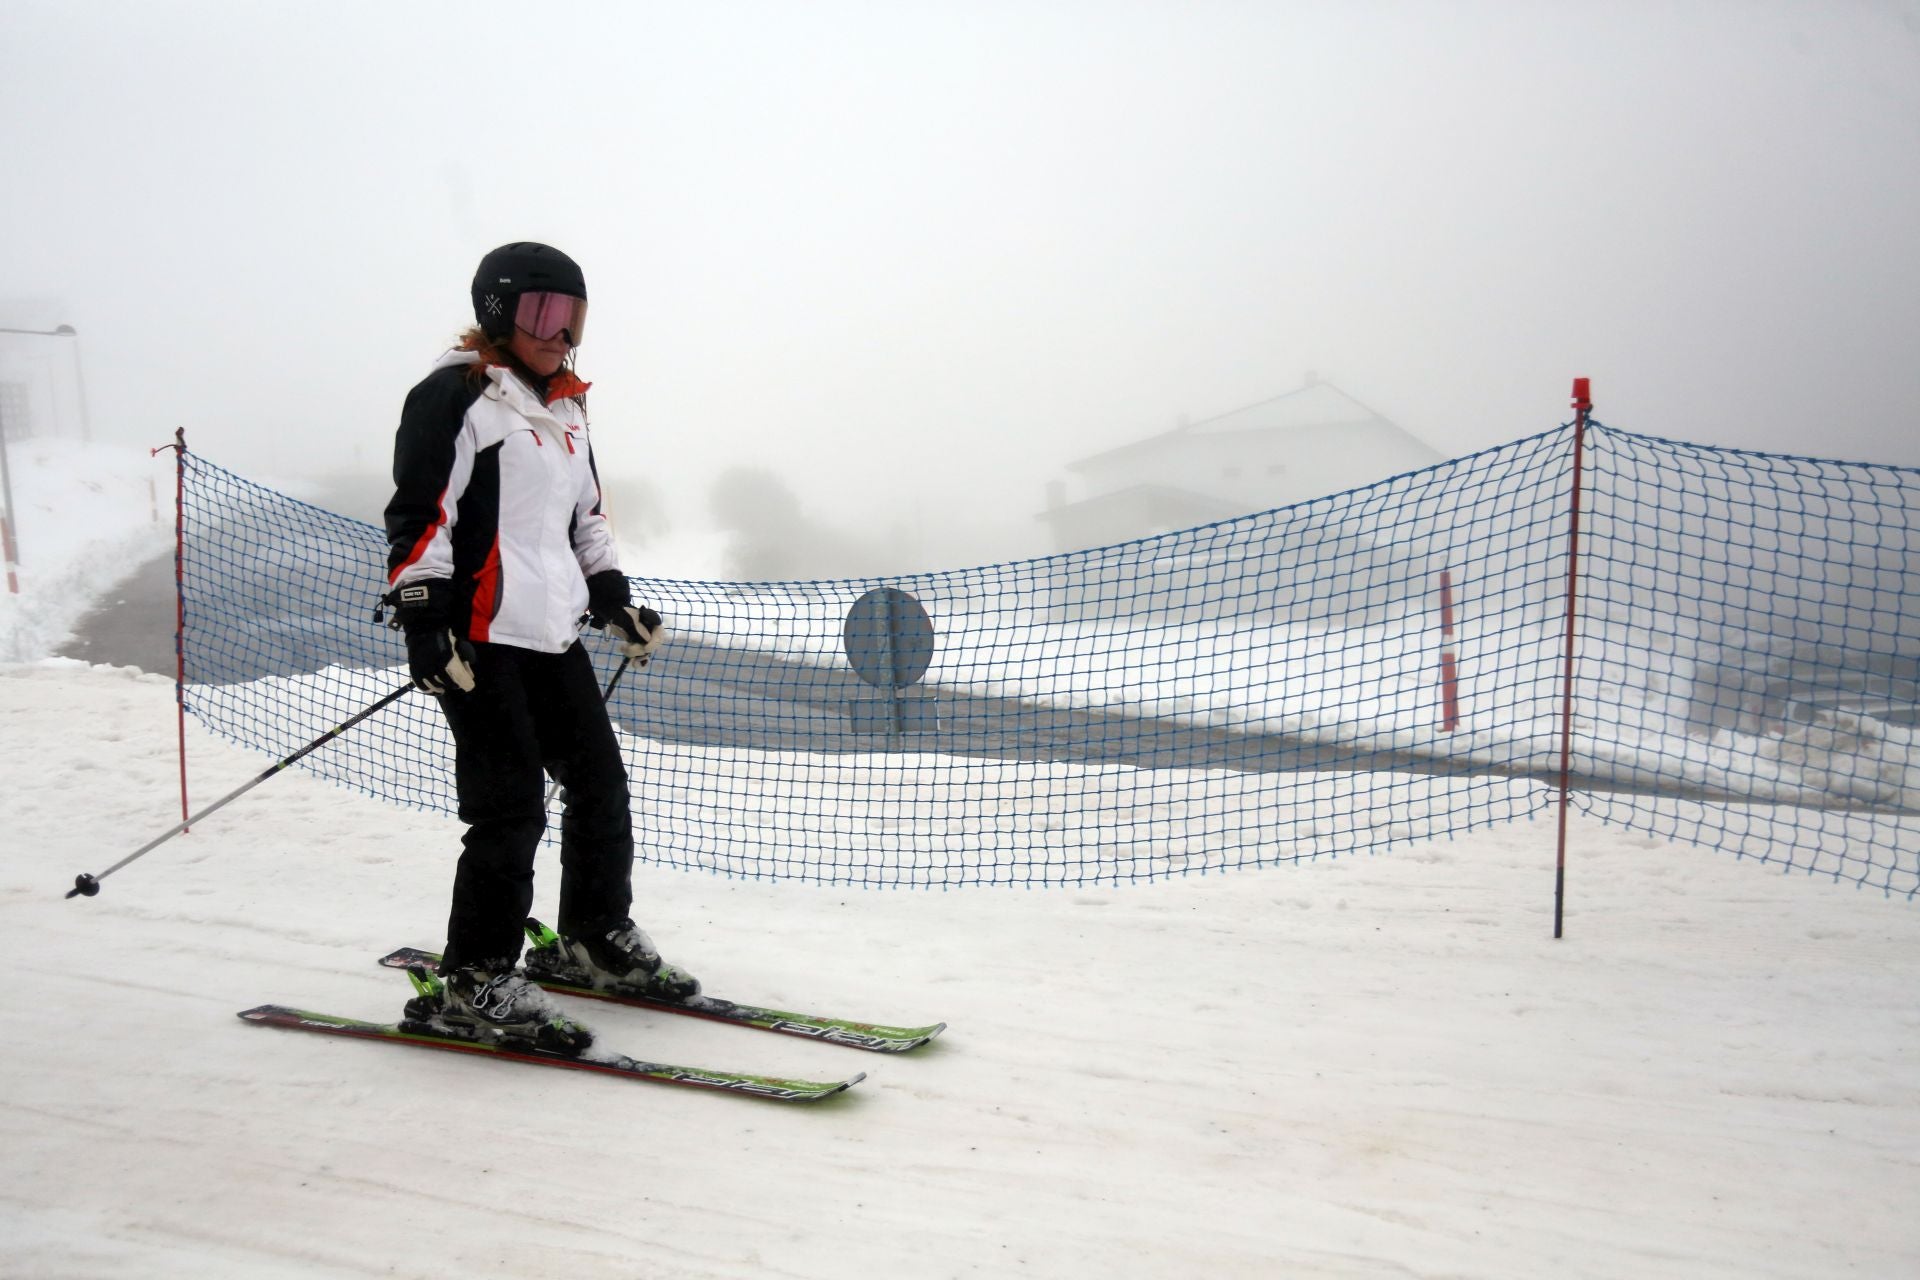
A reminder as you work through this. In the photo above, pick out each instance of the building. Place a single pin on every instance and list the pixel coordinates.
(1305, 444)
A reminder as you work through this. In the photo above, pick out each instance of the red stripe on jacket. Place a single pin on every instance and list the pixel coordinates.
(424, 541)
(486, 594)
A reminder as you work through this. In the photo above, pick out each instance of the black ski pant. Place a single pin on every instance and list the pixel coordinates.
(529, 715)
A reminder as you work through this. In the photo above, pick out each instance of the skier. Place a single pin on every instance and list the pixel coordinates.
(498, 553)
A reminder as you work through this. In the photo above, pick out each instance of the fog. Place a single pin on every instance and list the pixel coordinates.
(901, 263)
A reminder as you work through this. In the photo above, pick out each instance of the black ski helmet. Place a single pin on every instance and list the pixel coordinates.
(514, 269)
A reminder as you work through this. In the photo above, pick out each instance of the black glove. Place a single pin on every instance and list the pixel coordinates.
(638, 629)
(438, 660)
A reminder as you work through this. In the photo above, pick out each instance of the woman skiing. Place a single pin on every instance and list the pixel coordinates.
(498, 552)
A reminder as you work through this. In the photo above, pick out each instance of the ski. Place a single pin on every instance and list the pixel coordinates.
(594, 1059)
(872, 1036)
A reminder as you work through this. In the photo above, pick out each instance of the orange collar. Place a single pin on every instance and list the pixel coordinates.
(564, 385)
(561, 386)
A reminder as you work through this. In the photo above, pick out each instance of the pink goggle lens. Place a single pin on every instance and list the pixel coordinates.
(545, 314)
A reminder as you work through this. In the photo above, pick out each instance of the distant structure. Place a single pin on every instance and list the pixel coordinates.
(16, 411)
(1305, 444)
(41, 390)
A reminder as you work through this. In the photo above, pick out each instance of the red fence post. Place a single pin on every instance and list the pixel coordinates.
(13, 560)
(1449, 664)
(1582, 403)
(179, 447)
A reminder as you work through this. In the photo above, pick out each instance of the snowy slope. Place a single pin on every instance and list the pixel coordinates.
(1354, 1067)
(87, 515)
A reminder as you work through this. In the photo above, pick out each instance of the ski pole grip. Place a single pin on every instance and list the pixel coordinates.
(84, 886)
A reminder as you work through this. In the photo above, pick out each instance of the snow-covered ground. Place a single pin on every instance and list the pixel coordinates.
(86, 516)
(1353, 1066)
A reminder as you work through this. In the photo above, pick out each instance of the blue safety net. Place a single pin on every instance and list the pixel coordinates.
(1369, 668)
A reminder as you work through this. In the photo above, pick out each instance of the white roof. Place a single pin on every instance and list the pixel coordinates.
(1313, 408)
(1318, 404)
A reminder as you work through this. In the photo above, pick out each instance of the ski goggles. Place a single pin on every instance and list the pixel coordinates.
(545, 314)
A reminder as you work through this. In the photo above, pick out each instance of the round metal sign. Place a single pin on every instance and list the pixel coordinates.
(889, 638)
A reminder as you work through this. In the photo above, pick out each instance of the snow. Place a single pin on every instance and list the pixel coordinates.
(86, 515)
(1357, 1066)
(1301, 682)
(1360, 1066)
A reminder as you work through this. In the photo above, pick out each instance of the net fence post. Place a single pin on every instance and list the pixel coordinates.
(179, 447)
(1449, 658)
(1582, 403)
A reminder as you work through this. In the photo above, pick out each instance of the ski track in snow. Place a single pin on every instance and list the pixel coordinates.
(1354, 1067)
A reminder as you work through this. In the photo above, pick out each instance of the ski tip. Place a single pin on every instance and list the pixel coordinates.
(838, 1088)
(922, 1036)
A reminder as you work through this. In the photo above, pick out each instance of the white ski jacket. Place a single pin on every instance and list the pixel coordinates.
(495, 491)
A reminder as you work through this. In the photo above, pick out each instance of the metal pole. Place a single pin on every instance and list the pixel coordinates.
(1582, 402)
(897, 716)
(85, 885)
(180, 602)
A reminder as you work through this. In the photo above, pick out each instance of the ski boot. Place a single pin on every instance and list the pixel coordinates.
(494, 1004)
(619, 959)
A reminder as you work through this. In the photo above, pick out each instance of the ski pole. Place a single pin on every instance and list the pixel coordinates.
(604, 699)
(85, 885)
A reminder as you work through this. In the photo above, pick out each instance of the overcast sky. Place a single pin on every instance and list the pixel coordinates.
(920, 255)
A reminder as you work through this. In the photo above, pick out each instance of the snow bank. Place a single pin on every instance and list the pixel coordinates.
(88, 514)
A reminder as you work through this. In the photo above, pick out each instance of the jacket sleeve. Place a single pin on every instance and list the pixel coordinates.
(432, 463)
(593, 543)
